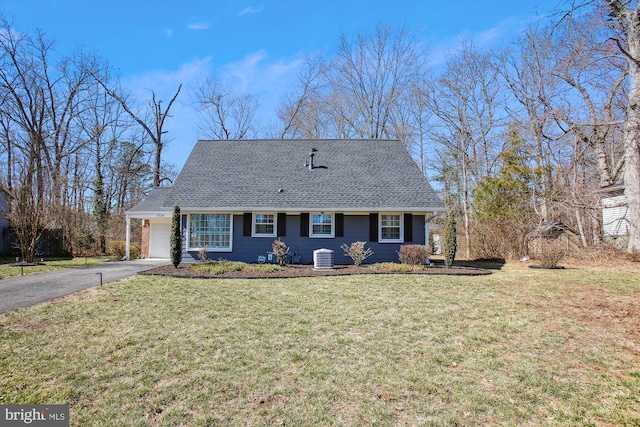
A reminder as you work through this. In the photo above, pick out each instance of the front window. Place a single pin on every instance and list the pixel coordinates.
(390, 228)
(212, 231)
(264, 224)
(321, 225)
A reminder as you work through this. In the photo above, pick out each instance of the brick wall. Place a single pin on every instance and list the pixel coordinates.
(146, 228)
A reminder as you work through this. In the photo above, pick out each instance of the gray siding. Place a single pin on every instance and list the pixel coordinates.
(356, 228)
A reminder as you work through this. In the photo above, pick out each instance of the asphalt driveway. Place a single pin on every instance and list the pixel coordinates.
(23, 291)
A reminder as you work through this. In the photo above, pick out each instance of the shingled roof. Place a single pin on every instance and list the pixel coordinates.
(358, 175)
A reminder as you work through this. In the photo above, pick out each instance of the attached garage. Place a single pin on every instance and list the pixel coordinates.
(159, 233)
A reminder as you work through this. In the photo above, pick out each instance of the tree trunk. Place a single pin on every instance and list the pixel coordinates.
(632, 164)
(632, 140)
(627, 18)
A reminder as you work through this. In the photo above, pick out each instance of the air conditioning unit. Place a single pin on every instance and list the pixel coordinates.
(323, 259)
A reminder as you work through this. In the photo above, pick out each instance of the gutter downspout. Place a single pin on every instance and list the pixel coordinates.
(426, 231)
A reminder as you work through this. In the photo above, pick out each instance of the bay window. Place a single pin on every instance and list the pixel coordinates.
(211, 231)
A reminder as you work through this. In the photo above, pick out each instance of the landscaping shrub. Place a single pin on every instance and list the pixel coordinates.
(263, 268)
(218, 267)
(118, 249)
(134, 251)
(393, 267)
(203, 255)
(281, 251)
(413, 254)
(357, 252)
(549, 254)
(222, 266)
(176, 237)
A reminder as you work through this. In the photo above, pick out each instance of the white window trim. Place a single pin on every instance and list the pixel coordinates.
(380, 239)
(322, 236)
(275, 225)
(209, 249)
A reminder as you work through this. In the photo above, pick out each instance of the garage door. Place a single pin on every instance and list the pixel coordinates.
(159, 238)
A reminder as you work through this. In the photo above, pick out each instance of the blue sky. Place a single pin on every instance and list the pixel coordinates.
(256, 46)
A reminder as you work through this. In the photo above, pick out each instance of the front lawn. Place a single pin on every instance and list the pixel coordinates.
(9, 270)
(517, 347)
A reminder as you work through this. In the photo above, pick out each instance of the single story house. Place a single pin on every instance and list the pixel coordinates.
(237, 197)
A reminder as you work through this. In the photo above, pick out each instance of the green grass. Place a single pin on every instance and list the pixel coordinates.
(7, 270)
(518, 347)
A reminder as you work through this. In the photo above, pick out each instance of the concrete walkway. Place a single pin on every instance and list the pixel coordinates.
(23, 291)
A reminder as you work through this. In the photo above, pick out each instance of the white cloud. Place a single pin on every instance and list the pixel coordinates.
(259, 75)
(247, 10)
(198, 26)
(256, 74)
(485, 39)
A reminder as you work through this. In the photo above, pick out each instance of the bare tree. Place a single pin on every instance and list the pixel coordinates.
(225, 114)
(301, 110)
(626, 23)
(371, 74)
(152, 124)
(42, 97)
(465, 100)
(360, 92)
(104, 126)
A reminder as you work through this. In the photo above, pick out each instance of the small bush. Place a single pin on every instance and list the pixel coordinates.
(394, 267)
(134, 252)
(413, 254)
(281, 251)
(549, 254)
(117, 249)
(357, 252)
(218, 267)
(633, 256)
(222, 266)
(263, 268)
(176, 237)
(203, 255)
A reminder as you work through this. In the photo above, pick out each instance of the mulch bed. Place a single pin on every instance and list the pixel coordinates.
(291, 271)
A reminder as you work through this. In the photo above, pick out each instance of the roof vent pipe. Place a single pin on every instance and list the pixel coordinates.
(311, 155)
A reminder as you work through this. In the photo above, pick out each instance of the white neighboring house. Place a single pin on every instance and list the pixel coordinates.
(615, 212)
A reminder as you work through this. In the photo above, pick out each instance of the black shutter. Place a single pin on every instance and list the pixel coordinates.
(373, 227)
(408, 227)
(304, 224)
(246, 224)
(339, 225)
(282, 224)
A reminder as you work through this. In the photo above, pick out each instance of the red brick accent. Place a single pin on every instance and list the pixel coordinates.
(146, 229)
